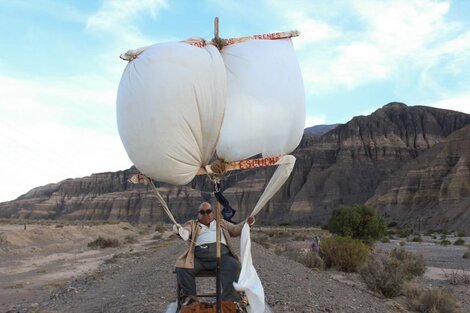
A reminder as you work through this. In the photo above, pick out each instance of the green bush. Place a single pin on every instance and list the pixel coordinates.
(344, 253)
(103, 243)
(445, 242)
(438, 301)
(387, 272)
(359, 222)
(459, 242)
(404, 232)
(428, 233)
(417, 238)
(461, 234)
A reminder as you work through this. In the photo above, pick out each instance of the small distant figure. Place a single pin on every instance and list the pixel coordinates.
(316, 245)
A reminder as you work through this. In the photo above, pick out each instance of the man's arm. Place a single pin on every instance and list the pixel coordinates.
(227, 212)
(184, 231)
(235, 230)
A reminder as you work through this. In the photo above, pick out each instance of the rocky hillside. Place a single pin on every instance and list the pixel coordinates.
(319, 129)
(367, 160)
(433, 189)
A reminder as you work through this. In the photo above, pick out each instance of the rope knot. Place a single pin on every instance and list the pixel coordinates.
(218, 167)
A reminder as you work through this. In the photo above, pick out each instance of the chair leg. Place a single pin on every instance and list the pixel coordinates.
(179, 297)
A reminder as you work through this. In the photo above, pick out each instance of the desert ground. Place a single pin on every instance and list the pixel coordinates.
(48, 267)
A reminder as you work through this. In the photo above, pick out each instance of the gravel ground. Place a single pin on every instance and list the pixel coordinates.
(144, 282)
(434, 254)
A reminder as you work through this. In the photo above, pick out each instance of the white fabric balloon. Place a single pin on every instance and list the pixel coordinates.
(265, 111)
(170, 107)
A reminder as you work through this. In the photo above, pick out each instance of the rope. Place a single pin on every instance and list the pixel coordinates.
(163, 203)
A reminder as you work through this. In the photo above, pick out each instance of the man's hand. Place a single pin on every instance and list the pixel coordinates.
(180, 231)
(250, 220)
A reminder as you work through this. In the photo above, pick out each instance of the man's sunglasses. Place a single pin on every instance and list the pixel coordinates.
(202, 212)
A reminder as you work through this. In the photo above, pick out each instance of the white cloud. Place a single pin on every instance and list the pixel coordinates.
(460, 102)
(117, 14)
(119, 19)
(389, 39)
(45, 136)
(311, 30)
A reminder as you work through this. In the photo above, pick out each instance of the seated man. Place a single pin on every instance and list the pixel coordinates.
(201, 253)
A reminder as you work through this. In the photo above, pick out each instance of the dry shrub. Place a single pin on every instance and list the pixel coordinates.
(457, 277)
(311, 260)
(387, 272)
(413, 264)
(130, 239)
(382, 274)
(437, 301)
(459, 242)
(466, 255)
(263, 240)
(279, 250)
(412, 290)
(385, 239)
(102, 243)
(3, 239)
(161, 228)
(277, 233)
(344, 253)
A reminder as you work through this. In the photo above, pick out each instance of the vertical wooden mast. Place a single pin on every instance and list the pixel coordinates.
(218, 278)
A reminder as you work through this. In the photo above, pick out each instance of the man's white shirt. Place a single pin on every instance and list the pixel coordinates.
(208, 235)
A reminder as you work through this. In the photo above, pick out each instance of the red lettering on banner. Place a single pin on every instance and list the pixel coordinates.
(254, 163)
(199, 44)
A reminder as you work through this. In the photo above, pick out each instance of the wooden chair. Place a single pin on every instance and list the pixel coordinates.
(201, 274)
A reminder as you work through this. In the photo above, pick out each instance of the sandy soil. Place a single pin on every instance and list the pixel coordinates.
(42, 258)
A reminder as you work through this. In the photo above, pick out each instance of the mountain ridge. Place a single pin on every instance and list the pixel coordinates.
(349, 164)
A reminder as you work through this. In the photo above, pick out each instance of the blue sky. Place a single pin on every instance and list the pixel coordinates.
(60, 67)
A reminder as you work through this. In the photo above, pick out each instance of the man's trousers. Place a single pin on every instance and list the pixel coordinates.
(205, 259)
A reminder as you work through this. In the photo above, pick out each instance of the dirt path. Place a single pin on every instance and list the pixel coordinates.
(144, 282)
